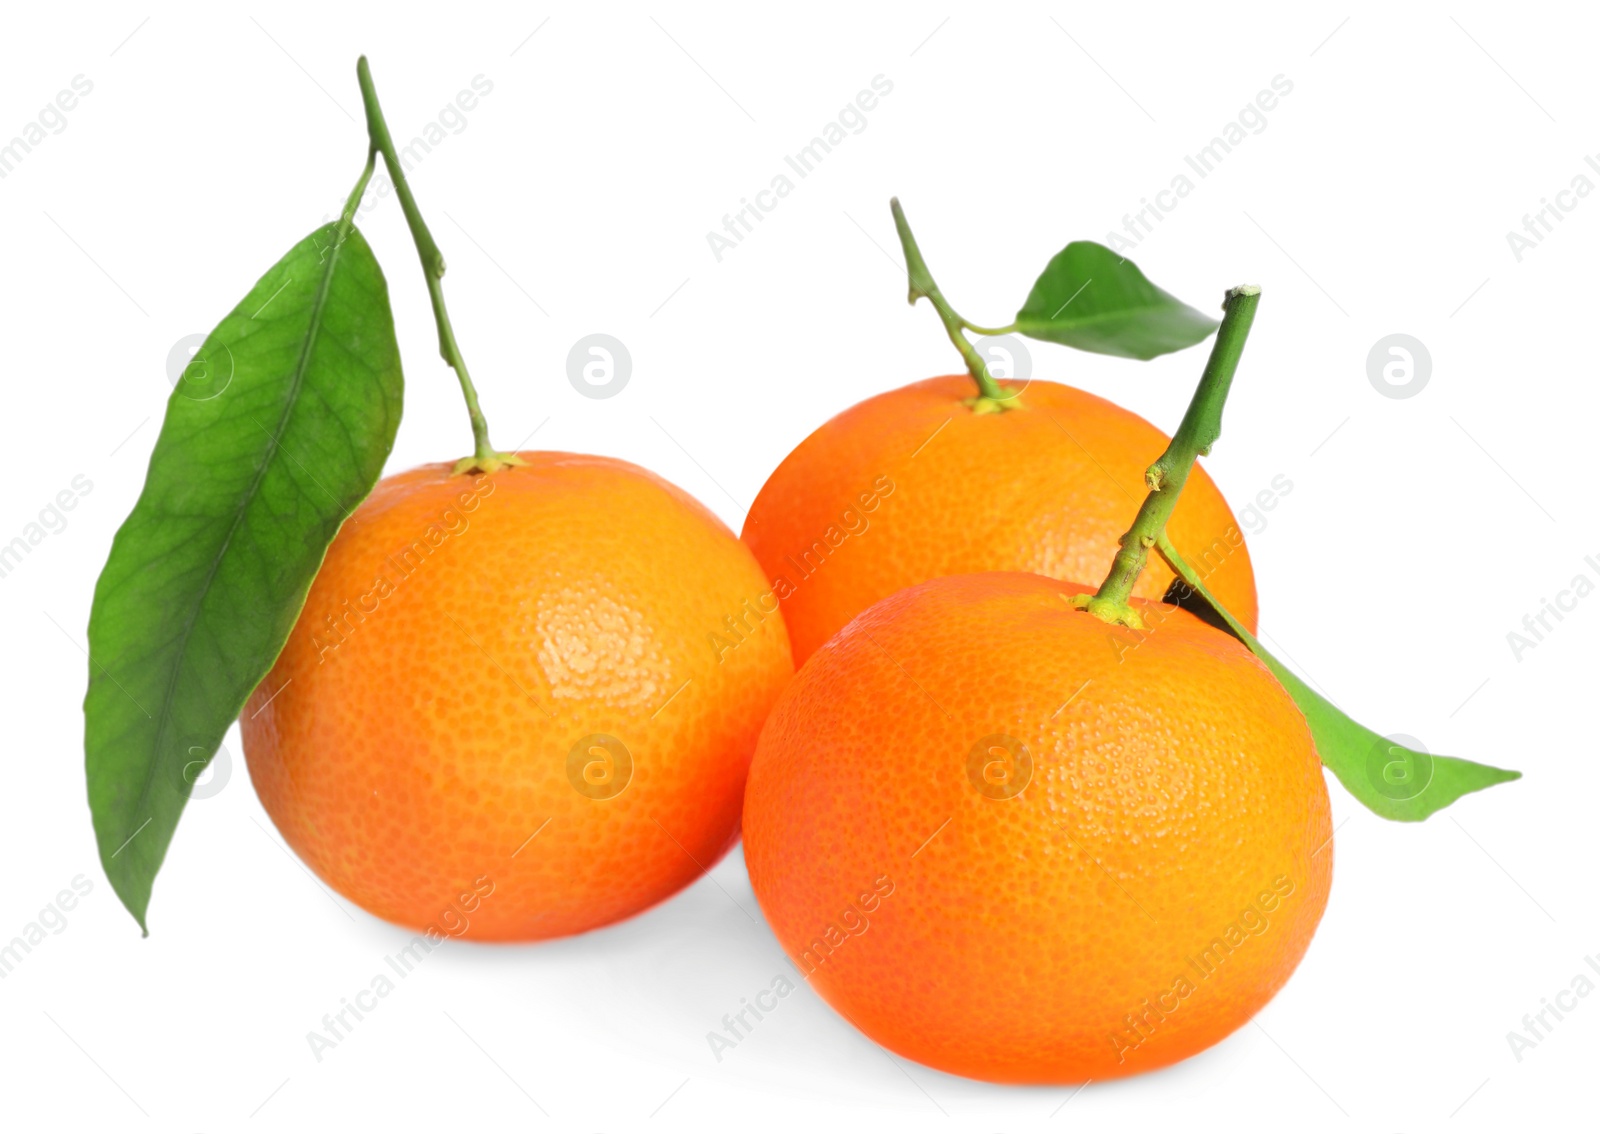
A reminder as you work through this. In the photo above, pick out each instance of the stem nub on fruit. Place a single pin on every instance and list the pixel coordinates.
(485, 458)
(1199, 430)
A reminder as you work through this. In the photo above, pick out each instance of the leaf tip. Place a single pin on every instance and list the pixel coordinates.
(137, 905)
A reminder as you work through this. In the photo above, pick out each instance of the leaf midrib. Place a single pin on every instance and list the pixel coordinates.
(314, 329)
(1104, 315)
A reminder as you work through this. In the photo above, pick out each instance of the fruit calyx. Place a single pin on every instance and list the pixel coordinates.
(1118, 614)
(1199, 430)
(983, 403)
(482, 465)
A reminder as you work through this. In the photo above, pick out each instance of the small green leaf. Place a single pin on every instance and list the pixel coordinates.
(1391, 780)
(276, 431)
(1093, 299)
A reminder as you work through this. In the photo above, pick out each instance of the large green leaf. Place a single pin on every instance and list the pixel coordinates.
(1390, 779)
(1091, 298)
(276, 431)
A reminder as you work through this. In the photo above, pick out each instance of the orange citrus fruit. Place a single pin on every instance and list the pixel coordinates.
(912, 484)
(1014, 842)
(519, 705)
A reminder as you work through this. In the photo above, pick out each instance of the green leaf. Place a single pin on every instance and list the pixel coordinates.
(1093, 299)
(276, 431)
(1390, 779)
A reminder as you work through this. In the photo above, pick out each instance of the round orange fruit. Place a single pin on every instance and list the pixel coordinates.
(1011, 841)
(912, 484)
(519, 705)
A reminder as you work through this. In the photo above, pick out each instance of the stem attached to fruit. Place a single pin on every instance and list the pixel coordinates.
(1199, 430)
(485, 458)
(992, 397)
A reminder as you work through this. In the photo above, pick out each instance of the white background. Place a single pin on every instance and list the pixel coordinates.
(1419, 531)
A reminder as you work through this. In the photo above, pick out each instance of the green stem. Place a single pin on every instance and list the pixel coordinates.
(485, 458)
(991, 395)
(1201, 426)
(1008, 329)
(348, 216)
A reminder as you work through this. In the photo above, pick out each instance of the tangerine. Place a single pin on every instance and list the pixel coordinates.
(1011, 841)
(503, 713)
(911, 485)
